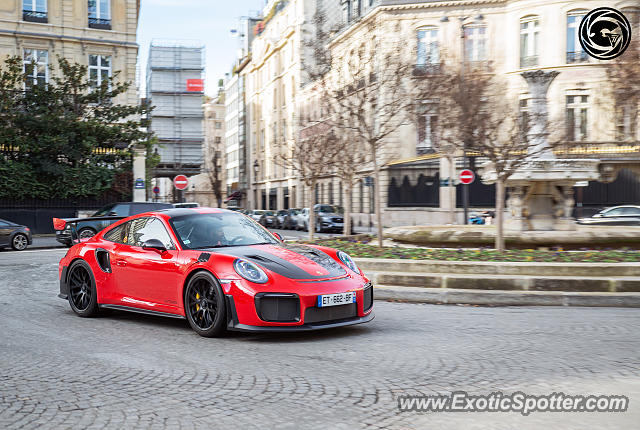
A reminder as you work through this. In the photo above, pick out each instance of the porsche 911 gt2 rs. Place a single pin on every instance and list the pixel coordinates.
(216, 268)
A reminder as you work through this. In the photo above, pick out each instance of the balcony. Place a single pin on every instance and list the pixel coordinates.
(426, 69)
(100, 23)
(34, 16)
(577, 57)
(530, 61)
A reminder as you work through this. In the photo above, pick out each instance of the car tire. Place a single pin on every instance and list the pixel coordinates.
(86, 233)
(83, 294)
(204, 305)
(19, 242)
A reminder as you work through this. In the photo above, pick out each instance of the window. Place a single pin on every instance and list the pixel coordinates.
(99, 14)
(577, 117)
(218, 125)
(626, 121)
(330, 191)
(529, 38)
(474, 43)
(99, 69)
(144, 229)
(575, 54)
(34, 10)
(428, 46)
(218, 139)
(427, 127)
(117, 234)
(35, 63)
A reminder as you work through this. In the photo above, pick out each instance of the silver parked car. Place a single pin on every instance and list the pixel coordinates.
(617, 215)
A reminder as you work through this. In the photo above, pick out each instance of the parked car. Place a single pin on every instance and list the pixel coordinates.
(291, 219)
(329, 218)
(186, 205)
(17, 236)
(89, 228)
(255, 214)
(281, 215)
(302, 219)
(269, 219)
(617, 215)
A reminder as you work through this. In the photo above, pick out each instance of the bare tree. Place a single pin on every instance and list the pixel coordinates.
(214, 177)
(479, 116)
(311, 155)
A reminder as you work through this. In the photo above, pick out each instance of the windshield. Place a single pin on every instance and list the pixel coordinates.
(329, 209)
(218, 230)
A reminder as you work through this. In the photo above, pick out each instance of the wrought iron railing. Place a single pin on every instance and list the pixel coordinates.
(34, 16)
(529, 61)
(100, 23)
(577, 57)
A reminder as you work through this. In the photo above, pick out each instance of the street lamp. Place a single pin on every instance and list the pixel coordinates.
(256, 169)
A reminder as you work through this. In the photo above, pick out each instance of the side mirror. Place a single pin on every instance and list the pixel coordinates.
(155, 245)
(278, 236)
(112, 213)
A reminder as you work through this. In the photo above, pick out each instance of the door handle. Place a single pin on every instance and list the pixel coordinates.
(121, 263)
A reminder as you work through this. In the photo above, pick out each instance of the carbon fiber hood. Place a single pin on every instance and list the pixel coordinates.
(291, 261)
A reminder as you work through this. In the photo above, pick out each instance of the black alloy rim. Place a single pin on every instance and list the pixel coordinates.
(202, 303)
(80, 288)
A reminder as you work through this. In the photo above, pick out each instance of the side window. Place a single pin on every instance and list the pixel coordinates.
(143, 229)
(138, 208)
(614, 212)
(631, 211)
(3, 224)
(121, 210)
(118, 234)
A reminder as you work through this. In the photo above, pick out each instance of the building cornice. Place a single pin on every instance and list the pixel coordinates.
(413, 6)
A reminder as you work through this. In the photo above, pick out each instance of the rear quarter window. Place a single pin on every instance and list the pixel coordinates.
(117, 234)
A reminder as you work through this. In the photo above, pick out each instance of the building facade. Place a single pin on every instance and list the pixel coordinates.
(207, 188)
(510, 37)
(100, 34)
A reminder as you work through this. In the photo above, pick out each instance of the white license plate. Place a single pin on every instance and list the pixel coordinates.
(336, 299)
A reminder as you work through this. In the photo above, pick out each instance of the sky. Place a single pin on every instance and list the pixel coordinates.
(207, 21)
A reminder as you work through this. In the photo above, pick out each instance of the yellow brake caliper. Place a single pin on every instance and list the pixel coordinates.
(197, 305)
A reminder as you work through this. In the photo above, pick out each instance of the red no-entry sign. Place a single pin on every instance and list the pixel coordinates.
(467, 176)
(181, 182)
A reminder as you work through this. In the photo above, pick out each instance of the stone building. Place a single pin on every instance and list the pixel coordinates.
(98, 33)
(202, 186)
(511, 37)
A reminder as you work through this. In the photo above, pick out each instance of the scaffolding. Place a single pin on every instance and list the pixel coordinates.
(175, 77)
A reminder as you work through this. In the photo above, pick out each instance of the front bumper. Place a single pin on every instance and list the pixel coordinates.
(260, 311)
(330, 225)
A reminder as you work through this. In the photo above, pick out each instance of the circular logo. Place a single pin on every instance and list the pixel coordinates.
(605, 33)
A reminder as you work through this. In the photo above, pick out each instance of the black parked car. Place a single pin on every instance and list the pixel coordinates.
(14, 235)
(291, 219)
(89, 228)
(269, 219)
(617, 215)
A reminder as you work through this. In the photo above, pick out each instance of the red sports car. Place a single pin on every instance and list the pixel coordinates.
(219, 269)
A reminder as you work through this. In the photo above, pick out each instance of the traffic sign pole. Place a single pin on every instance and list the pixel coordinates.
(466, 178)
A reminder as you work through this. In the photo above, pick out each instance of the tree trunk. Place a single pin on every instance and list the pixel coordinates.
(500, 192)
(312, 215)
(376, 194)
(348, 190)
(452, 191)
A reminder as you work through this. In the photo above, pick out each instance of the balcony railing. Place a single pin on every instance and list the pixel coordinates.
(100, 23)
(530, 61)
(34, 16)
(426, 69)
(577, 57)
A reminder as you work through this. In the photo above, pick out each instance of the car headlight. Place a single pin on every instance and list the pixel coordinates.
(250, 271)
(348, 261)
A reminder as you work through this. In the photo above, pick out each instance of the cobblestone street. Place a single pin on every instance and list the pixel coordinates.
(124, 371)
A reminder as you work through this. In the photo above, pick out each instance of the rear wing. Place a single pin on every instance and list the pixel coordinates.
(61, 223)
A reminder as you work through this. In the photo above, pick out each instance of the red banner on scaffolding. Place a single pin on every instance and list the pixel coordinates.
(195, 85)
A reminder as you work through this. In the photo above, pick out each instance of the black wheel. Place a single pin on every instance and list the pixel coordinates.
(83, 296)
(204, 305)
(19, 242)
(86, 233)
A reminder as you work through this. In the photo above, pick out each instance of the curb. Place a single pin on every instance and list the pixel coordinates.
(505, 298)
